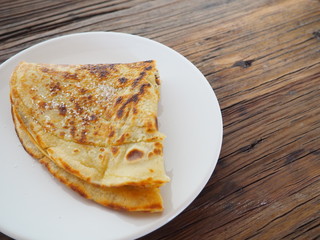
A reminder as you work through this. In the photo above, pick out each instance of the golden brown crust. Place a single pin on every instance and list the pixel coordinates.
(120, 198)
(22, 135)
(67, 124)
(70, 98)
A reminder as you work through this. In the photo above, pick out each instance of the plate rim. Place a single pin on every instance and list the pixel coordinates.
(214, 161)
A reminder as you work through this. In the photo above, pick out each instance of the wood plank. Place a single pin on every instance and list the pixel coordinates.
(262, 58)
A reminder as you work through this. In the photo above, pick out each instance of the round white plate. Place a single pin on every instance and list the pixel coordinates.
(33, 205)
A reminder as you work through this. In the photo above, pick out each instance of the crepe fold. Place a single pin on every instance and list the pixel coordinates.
(95, 128)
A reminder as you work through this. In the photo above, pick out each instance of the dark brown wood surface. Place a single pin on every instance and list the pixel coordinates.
(262, 58)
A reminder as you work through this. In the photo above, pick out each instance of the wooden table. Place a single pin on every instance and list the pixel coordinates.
(262, 58)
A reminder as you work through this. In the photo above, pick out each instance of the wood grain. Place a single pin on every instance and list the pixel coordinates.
(262, 58)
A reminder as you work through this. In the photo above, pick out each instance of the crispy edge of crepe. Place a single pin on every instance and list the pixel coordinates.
(128, 198)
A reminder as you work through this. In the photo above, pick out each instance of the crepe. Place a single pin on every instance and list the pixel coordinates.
(128, 198)
(95, 122)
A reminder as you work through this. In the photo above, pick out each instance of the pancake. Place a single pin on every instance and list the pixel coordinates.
(97, 122)
(119, 100)
(129, 198)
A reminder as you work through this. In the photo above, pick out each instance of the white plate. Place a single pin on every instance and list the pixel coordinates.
(34, 206)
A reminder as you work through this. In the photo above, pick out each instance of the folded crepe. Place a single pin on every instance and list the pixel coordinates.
(94, 123)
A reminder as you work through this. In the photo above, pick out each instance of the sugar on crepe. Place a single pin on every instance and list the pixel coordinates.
(96, 123)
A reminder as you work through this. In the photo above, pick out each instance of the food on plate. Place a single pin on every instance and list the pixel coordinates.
(95, 128)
